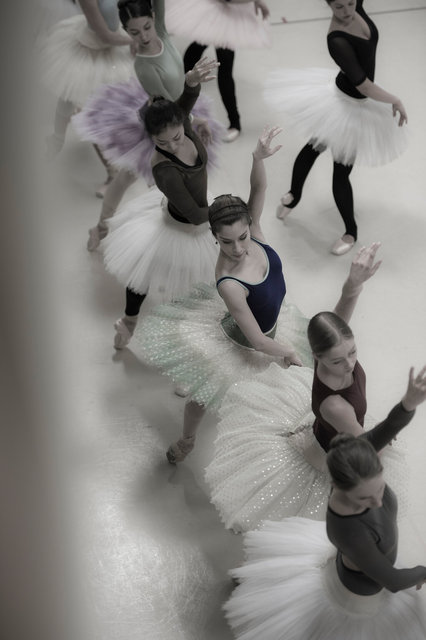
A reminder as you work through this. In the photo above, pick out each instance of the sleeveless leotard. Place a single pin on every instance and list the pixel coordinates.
(354, 394)
(265, 297)
(356, 56)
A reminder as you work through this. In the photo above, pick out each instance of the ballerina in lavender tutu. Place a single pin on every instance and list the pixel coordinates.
(112, 119)
(79, 55)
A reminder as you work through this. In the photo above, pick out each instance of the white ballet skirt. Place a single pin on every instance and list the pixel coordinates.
(217, 23)
(185, 341)
(267, 463)
(362, 131)
(290, 590)
(74, 61)
(147, 249)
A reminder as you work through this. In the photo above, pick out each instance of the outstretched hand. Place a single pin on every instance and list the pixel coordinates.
(291, 358)
(416, 390)
(363, 266)
(263, 148)
(398, 107)
(201, 72)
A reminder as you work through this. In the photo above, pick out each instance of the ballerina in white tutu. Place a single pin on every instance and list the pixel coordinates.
(349, 114)
(269, 454)
(293, 585)
(79, 55)
(228, 26)
(162, 244)
(111, 118)
(206, 349)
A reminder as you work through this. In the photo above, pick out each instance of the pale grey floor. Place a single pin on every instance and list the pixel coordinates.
(151, 551)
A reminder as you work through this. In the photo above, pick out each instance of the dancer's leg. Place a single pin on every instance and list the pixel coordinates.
(301, 168)
(55, 142)
(226, 85)
(192, 417)
(111, 172)
(192, 55)
(343, 196)
(126, 325)
(112, 198)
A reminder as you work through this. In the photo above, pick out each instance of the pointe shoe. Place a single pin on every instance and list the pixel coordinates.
(341, 246)
(181, 390)
(100, 191)
(180, 449)
(283, 209)
(231, 135)
(94, 239)
(123, 334)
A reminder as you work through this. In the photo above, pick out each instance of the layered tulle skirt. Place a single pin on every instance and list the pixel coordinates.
(111, 120)
(290, 590)
(149, 251)
(74, 61)
(267, 463)
(362, 131)
(221, 24)
(185, 340)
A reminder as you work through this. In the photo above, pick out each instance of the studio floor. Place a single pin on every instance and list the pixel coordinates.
(151, 553)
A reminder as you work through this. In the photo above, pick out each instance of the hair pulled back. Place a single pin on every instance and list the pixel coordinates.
(128, 9)
(326, 330)
(227, 210)
(351, 460)
(160, 114)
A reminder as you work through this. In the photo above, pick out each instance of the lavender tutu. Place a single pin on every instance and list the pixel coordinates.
(111, 120)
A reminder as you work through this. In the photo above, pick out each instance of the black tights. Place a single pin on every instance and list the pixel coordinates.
(342, 189)
(224, 77)
(133, 302)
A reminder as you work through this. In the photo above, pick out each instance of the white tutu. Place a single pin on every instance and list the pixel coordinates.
(363, 131)
(147, 249)
(74, 61)
(185, 340)
(221, 24)
(267, 463)
(290, 590)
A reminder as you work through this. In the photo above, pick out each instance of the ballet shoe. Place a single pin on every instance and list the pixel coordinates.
(283, 210)
(123, 334)
(94, 239)
(231, 135)
(180, 449)
(341, 246)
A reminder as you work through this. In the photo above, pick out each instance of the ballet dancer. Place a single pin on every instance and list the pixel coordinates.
(79, 55)
(111, 117)
(353, 117)
(207, 350)
(304, 579)
(228, 26)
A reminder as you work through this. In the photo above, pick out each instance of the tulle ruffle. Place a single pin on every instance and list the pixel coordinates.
(221, 24)
(185, 340)
(363, 131)
(74, 61)
(267, 463)
(111, 120)
(146, 249)
(290, 590)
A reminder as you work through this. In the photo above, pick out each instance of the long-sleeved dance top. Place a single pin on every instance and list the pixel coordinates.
(356, 56)
(265, 297)
(161, 74)
(354, 394)
(185, 186)
(370, 539)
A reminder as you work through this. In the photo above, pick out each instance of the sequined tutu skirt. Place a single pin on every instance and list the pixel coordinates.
(74, 61)
(149, 251)
(221, 24)
(267, 463)
(289, 590)
(111, 120)
(185, 340)
(362, 131)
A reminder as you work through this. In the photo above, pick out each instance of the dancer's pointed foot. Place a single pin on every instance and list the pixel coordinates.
(283, 209)
(342, 245)
(124, 331)
(180, 449)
